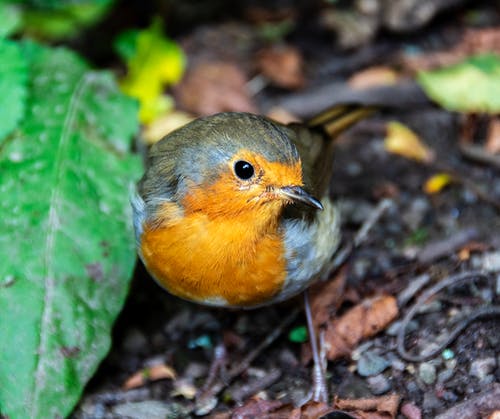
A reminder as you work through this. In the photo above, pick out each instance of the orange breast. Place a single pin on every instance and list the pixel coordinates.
(221, 262)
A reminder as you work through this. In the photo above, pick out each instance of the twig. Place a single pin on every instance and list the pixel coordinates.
(492, 311)
(216, 388)
(438, 249)
(376, 214)
(477, 406)
(275, 334)
(245, 391)
(480, 155)
(345, 251)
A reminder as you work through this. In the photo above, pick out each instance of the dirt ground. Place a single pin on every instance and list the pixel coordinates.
(416, 241)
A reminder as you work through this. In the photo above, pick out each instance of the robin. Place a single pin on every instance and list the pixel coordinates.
(234, 210)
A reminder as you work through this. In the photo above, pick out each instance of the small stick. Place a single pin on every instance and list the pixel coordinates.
(492, 311)
(345, 251)
(234, 372)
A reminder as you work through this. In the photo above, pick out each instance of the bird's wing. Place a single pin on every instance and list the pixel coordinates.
(314, 141)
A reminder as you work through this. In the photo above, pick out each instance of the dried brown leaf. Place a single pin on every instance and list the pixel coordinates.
(473, 42)
(310, 410)
(282, 65)
(374, 408)
(282, 115)
(326, 297)
(153, 373)
(360, 322)
(214, 86)
(493, 137)
(373, 77)
(256, 408)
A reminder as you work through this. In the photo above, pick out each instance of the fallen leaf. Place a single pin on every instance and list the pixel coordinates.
(152, 373)
(474, 41)
(212, 87)
(282, 115)
(326, 297)
(472, 247)
(377, 407)
(403, 141)
(165, 125)
(470, 86)
(310, 410)
(282, 65)
(436, 183)
(495, 415)
(360, 322)
(255, 408)
(154, 62)
(373, 77)
(493, 136)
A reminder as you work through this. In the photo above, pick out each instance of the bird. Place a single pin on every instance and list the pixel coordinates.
(234, 210)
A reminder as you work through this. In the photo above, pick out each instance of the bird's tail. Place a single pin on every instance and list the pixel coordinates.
(338, 118)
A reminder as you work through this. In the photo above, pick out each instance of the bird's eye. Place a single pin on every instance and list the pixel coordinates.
(243, 169)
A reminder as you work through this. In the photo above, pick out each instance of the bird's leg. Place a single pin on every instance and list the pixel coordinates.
(320, 389)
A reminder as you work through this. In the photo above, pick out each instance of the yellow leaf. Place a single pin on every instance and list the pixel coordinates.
(156, 63)
(436, 183)
(403, 141)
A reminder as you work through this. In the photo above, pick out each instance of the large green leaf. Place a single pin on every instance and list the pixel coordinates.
(470, 86)
(13, 86)
(66, 242)
(10, 16)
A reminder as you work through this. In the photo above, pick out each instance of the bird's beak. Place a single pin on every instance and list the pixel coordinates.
(296, 193)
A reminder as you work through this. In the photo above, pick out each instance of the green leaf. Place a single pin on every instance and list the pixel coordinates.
(471, 86)
(67, 247)
(125, 44)
(298, 334)
(10, 16)
(62, 19)
(13, 86)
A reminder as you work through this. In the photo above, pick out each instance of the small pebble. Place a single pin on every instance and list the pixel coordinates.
(370, 364)
(398, 365)
(449, 396)
(414, 215)
(432, 307)
(451, 364)
(482, 367)
(151, 409)
(411, 411)
(393, 329)
(427, 373)
(379, 384)
(445, 375)
(430, 403)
